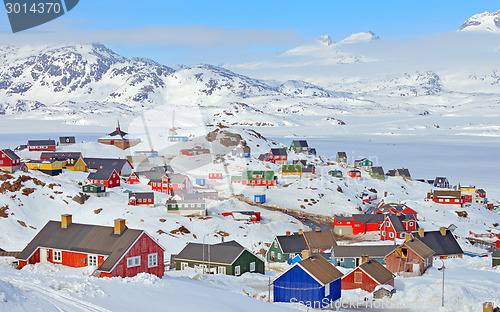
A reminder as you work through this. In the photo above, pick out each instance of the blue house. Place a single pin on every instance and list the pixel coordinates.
(259, 199)
(313, 282)
(352, 256)
(441, 182)
(241, 151)
(200, 182)
(294, 260)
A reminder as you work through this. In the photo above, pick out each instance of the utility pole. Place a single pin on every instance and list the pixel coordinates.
(442, 291)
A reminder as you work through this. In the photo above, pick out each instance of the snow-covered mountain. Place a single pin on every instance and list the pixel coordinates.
(360, 37)
(486, 21)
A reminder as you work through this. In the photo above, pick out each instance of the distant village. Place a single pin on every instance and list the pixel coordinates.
(314, 265)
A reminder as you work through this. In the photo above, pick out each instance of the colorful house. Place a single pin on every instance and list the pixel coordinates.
(341, 158)
(393, 208)
(241, 151)
(95, 189)
(448, 197)
(41, 145)
(50, 167)
(335, 173)
(112, 251)
(313, 282)
(441, 182)
(76, 165)
(291, 171)
(71, 160)
(368, 276)
(404, 173)
(363, 163)
(248, 216)
(215, 176)
(442, 242)
(397, 226)
(319, 241)
(122, 166)
(256, 178)
(352, 256)
(260, 199)
(132, 179)
(286, 247)
(177, 138)
(194, 151)
(357, 224)
(107, 177)
(67, 140)
(166, 183)
(148, 154)
(119, 139)
(410, 259)
(141, 198)
(9, 161)
(354, 173)
(229, 258)
(299, 146)
(377, 173)
(278, 156)
(187, 207)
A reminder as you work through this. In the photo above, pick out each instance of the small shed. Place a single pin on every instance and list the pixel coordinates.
(354, 173)
(382, 291)
(313, 282)
(141, 198)
(259, 198)
(200, 182)
(96, 189)
(335, 173)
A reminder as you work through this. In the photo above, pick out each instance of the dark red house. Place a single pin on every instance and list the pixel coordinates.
(141, 198)
(113, 251)
(108, 177)
(397, 226)
(393, 208)
(42, 145)
(354, 173)
(194, 151)
(9, 161)
(411, 258)
(449, 197)
(168, 182)
(132, 179)
(215, 175)
(368, 276)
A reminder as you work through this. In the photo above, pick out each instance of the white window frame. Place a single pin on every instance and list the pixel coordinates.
(57, 255)
(391, 234)
(133, 262)
(152, 260)
(252, 266)
(92, 260)
(279, 255)
(221, 270)
(327, 290)
(237, 270)
(184, 265)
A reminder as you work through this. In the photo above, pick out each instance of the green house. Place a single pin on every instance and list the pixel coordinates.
(286, 246)
(335, 173)
(496, 257)
(229, 258)
(363, 163)
(291, 170)
(377, 173)
(96, 189)
(299, 146)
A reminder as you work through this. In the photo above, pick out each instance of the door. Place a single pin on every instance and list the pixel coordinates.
(43, 255)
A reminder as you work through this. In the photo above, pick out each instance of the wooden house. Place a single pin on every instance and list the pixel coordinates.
(357, 224)
(177, 138)
(166, 183)
(132, 179)
(350, 257)
(187, 207)
(284, 247)
(228, 258)
(50, 167)
(111, 250)
(249, 216)
(368, 276)
(76, 165)
(335, 173)
(107, 177)
(441, 182)
(354, 173)
(278, 156)
(194, 151)
(341, 158)
(299, 146)
(215, 176)
(377, 173)
(363, 163)
(71, 160)
(393, 208)
(397, 226)
(495, 258)
(256, 178)
(148, 154)
(241, 151)
(119, 139)
(291, 171)
(410, 259)
(404, 173)
(95, 189)
(319, 240)
(141, 198)
(343, 225)
(442, 242)
(447, 197)
(41, 145)
(66, 140)
(200, 182)
(122, 166)
(314, 282)
(9, 161)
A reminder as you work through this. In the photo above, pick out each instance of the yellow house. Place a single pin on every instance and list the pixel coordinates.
(468, 189)
(78, 165)
(50, 167)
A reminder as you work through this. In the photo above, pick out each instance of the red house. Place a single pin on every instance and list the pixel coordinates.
(410, 259)
(252, 216)
(113, 251)
(132, 179)
(448, 197)
(354, 173)
(9, 161)
(169, 182)
(42, 145)
(278, 156)
(397, 226)
(393, 208)
(141, 198)
(215, 175)
(358, 224)
(368, 276)
(107, 177)
(194, 151)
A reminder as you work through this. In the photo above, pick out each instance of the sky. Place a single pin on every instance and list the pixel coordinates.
(191, 32)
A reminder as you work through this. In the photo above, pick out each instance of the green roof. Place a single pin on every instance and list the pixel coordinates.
(291, 168)
(266, 175)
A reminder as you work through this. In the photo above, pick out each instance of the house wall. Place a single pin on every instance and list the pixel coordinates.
(144, 246)
(350, 262)
(298, 286)
(244, 262)
(275, 247)
(343, 229)
(367, 283)
(399, 264)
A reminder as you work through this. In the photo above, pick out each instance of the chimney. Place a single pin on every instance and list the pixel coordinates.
(421, 232)
(408, 237)
(65, 220)
(398, 214)
(442, 230)
(301, 231)
(317, 229)
(287, 233)
(119, 226)
(487, 307)
(305, 254)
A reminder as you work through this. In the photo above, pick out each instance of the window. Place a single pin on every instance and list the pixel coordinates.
(292, 255)
(57, 256)
(221, 270)
(391, 235)
(272, 255)
(152, 260)
(275, 244)
(383, 233)
(358, 277)
(92, 260)
(279, 256)
(327, 290)
(252, 266)
(387, 224)
(447, 200)
(237, 270)
(184, 265)
(1, 161)
(133, 261)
